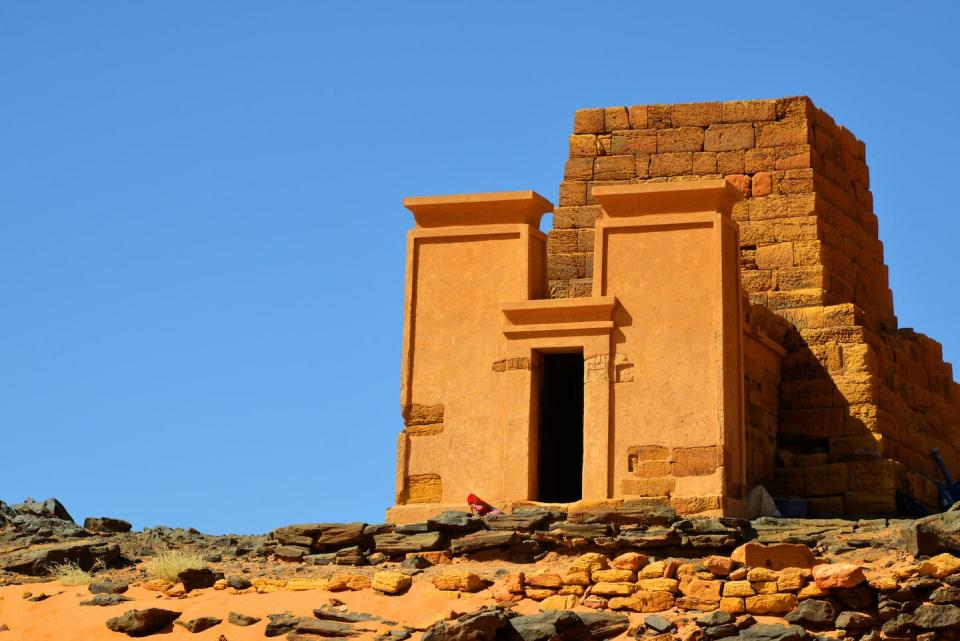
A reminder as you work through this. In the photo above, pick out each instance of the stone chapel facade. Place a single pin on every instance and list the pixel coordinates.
(710, 312)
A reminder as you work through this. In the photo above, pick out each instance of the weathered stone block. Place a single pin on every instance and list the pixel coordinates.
(870, 502)
(748, 110)
(659, 585)
(705, 162)
(391, 582)
(697, 114)
(693, 461)
(647, 487)
(614, 168)
(778, 134)
(776, 256)
(880, 474)
(615, 118)
(658, 116)
(637, 115)
(424, 488)
(680, 139)
(730, 137)
(576, 217)
(573, 193)
(642, 141)
(588, 121)
(579, 169)
(648, 453)
(771, 603)
(583, 145)
(823, 480)
(671, 164)
(762, 184)
(763, 159)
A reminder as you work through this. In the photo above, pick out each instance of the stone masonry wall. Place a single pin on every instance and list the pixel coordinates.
(861, 402)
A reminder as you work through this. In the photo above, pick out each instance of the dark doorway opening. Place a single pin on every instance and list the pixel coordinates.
(561, 428)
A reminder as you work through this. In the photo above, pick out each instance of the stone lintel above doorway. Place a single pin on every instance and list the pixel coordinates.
(558, 316)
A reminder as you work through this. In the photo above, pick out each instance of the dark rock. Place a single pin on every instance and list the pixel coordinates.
(772, 632)
(106, 599)
(454, 522)
(198, 578)
(952, 579)
(851, 620)
(482, 540)
(415, 562)
(937, 617)
(412, 528)
(324, 558)
(946, 595)
(4, 627)
(721, 631)
(715, 618)
(212, 558)
(395, 543)
(108, 587)
(280, 624)
(51, 508)
(7, 514)
(711, 541)
(106, 524)
(584, 530)
(604, 625)
(291, 552)
(37, 561)
(887, 609)
(331, 613)
(650, 538)
(379, 528)
(138, 623)
(377, 558)
(350, 556)
(37, 598)
(324, 628)
(744, 621)
(481, 625)
(302, 534)
(334, 536)
(527, 521)
(239, 583)
(242, 620)
(545, 626)
(813, 613)
(200, 624)
(526, 551)
(920, 585)
(933, 534)
(657, 623)
(630, 513)
(898, 625)
(861, 597)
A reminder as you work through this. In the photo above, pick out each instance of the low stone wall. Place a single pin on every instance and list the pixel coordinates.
(527, 535)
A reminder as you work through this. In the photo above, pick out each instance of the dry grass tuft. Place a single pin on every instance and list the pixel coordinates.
(69, 573)
(167, 565)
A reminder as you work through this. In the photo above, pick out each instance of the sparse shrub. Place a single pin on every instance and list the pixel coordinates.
(69, 573)
(167, 565)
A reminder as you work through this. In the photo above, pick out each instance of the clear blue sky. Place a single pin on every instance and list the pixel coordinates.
(201, 235)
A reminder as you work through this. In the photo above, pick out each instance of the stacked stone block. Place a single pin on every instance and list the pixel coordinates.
(854, 388)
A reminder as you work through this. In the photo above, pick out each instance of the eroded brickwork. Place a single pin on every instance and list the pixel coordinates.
(860, 402)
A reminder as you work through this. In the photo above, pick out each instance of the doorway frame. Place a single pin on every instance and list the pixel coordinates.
(557, 325)
(541, 357)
